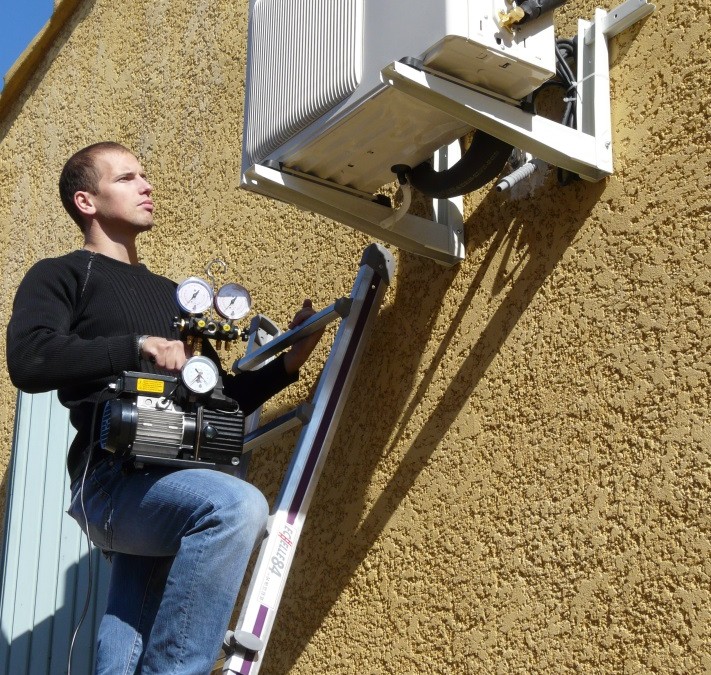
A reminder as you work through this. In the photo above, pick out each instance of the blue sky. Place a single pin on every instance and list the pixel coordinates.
(20, 21)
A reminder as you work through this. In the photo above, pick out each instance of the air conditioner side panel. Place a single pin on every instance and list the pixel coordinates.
(310, 61)
(304, 58)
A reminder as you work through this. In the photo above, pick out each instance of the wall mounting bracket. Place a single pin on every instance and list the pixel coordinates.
(585, 150)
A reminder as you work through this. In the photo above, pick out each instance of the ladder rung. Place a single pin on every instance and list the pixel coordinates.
(267, 432)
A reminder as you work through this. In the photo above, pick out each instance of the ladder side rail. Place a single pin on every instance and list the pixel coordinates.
(289, 512)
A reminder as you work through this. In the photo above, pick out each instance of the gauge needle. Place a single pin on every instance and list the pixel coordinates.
(198, 377)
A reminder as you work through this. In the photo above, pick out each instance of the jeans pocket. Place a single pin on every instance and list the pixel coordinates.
(91, 507)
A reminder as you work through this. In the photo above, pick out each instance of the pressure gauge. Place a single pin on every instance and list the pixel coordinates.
(200, 374)
(233, 301)
(194, 295)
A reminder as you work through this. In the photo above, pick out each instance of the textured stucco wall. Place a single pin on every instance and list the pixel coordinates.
(521, 479)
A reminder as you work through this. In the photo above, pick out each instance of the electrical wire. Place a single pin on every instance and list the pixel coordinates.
(565, 51)
(92, 444)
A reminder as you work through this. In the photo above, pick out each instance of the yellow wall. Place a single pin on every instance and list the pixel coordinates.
(520, 482)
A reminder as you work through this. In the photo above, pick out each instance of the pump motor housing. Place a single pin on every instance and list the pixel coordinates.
(164, 426)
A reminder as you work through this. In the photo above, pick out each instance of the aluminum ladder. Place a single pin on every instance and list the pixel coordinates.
(245, 645)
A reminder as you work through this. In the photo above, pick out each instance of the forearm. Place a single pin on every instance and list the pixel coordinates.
(252, 388)
(42, 360)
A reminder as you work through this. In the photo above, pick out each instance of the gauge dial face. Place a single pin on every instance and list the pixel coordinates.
(194, 295)
(200, 374)
(233, 301)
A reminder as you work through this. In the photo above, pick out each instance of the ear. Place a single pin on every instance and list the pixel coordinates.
(84, 201)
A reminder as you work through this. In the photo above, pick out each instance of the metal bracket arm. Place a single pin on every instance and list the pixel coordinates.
(442, 242)
(550, 141)
(586, 150)
(621, 18)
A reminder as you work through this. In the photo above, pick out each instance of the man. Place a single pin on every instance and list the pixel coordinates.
(178, 540)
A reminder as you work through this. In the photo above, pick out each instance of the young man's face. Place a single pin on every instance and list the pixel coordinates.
(123, 197)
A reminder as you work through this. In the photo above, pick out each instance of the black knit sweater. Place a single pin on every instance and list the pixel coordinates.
(74, 327)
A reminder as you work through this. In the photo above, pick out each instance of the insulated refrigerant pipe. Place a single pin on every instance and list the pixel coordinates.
(534, 8)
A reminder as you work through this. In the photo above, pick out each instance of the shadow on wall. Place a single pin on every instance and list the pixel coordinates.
(344, 521)
(43, 648)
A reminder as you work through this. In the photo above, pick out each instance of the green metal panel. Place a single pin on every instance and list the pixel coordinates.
(45, 562)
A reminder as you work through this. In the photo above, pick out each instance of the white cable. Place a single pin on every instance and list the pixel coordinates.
(401, 210)
(524, 171)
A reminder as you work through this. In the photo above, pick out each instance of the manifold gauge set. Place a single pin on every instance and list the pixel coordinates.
(184, 421)
(198, 298)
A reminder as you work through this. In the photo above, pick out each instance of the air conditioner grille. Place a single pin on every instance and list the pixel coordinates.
(310, 52)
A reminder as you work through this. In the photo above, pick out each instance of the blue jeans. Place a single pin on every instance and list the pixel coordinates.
(179, 542)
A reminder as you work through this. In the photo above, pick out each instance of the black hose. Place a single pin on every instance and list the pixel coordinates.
(482, 162)
(565, 50)
(486, 156)
(534, 8)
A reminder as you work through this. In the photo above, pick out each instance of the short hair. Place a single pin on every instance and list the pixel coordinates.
(80, 174)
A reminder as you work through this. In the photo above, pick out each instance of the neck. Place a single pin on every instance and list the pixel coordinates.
(122, 249)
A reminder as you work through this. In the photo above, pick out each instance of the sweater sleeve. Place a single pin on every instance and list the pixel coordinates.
(42, 352)
(254, 387)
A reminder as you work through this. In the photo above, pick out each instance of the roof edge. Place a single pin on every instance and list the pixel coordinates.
(27, 63)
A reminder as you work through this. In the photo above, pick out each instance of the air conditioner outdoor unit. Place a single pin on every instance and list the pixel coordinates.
(340, 91)
(315, 99)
